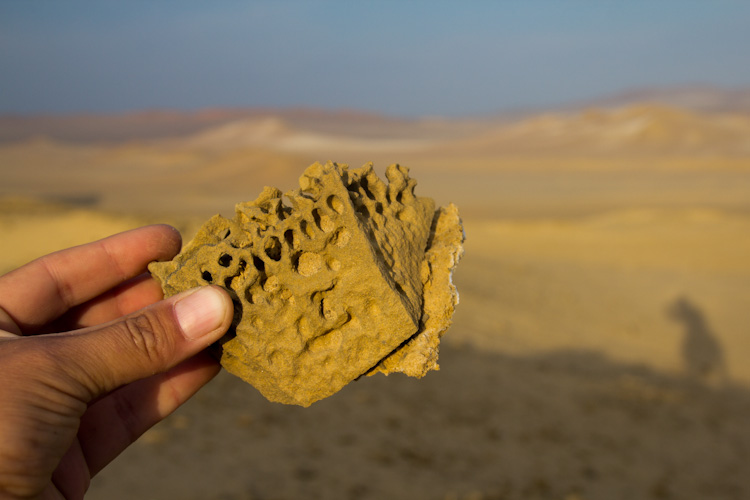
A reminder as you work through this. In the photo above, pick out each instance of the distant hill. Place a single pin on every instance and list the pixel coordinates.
(164, 124)
(699, 99)
(115, 127)
(688, 118)
(637, 128)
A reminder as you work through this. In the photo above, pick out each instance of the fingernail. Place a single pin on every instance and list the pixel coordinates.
(200, 312)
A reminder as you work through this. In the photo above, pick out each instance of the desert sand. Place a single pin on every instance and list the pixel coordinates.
(599, 349)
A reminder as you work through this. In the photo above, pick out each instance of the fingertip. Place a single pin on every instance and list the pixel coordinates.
(204, 312)
(170, 242)
(156, 241)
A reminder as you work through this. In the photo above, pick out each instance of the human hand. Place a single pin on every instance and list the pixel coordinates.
(71, 402)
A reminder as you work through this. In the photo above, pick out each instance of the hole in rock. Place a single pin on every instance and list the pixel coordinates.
(289, 237)
(366, 188)
(227, 233)
(305, 228)
(362, 210)
(295, 260)
(335, 204)
(283, 211)
(225, 260)
(259, 264)
(316, 217)
(379, 207)
(322, 310)
(273, 248)
(207, 277)
(228, 282)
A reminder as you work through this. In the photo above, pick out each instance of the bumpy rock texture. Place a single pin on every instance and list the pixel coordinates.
(353, 278)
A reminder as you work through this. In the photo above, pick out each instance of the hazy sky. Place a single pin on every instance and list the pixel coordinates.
(404, 57)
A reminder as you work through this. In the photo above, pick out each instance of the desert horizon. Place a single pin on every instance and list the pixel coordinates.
(599, 347)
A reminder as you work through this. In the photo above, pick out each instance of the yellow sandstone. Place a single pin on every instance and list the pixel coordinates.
(352, 278)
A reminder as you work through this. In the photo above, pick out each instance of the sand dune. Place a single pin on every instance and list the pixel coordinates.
(633, 130)
(599, 349)
(700, 99)
(277, 134)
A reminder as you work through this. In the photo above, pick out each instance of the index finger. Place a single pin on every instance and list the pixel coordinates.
(47, 287)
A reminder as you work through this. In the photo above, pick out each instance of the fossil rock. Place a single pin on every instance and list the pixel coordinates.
(353, 278)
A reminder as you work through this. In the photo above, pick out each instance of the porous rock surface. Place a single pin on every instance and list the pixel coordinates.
(352, 278)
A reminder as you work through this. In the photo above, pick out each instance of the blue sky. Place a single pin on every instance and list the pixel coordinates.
(410, 58)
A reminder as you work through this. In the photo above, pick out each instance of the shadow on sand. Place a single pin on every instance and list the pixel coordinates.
(702, 353)
(566, 425)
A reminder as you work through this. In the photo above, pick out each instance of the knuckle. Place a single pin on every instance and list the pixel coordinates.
(148, 336)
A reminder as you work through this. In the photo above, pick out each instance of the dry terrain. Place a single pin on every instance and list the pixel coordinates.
(599, 350)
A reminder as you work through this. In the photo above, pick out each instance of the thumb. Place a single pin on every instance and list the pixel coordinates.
(146, 342)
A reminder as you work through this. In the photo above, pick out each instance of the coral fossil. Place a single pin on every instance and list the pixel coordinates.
(354, 278)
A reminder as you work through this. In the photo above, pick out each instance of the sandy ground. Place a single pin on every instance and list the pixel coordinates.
(599, 349)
